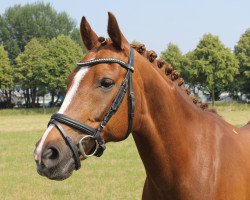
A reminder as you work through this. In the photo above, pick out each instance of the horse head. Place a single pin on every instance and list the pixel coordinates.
(98, 106)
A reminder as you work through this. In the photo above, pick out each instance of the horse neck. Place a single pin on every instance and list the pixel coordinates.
(165, 131)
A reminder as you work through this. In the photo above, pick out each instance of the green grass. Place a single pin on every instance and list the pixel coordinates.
(118, 174)
(232, 106)
(29, 111)
(235, 113)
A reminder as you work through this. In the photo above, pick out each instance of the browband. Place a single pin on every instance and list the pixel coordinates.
(106, 60)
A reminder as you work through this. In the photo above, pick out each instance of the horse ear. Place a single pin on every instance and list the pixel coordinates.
(89, 37)
(115, 34)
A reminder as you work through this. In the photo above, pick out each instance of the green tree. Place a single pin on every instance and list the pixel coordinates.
(19, 24)
(190, 69)
(75, 35)
(218, 65)
(63, 55)
(6, 39)
(135, 42)
(242, 52)
(6, 75)
(6, 71)
(30, 70)
(173, 56)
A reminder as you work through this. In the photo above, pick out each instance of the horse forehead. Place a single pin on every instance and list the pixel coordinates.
(79, 75)
(97, 53)
(106, 51)
(90, 56)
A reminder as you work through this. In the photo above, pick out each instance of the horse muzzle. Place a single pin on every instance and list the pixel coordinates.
(53, 165)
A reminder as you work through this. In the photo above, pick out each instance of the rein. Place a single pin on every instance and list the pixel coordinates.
(57, 119)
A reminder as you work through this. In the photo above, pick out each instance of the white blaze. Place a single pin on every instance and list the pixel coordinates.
(68, 98)
(72, 91)
(40, 146)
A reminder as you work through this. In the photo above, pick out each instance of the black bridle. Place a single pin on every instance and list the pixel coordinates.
(57, 119)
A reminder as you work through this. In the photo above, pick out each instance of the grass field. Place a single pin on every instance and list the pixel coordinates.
(118, 174)
(234, 113)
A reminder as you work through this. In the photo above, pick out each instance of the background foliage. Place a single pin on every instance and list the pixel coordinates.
(216, 65)
(242, 52)
(43, 47)
(40, 46)
(6, 71)
(213, 68)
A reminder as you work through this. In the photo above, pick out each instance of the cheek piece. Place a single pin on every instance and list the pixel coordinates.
(58, 119)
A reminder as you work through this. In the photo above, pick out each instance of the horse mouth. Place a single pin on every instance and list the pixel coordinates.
(58, 173)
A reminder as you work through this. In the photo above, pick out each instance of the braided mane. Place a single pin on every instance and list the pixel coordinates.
(169, 71)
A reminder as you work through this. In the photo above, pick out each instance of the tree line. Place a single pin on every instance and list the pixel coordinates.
(213, 68)
(40, 46)
(38, 49)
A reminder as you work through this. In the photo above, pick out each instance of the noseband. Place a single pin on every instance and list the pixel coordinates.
(58, 119)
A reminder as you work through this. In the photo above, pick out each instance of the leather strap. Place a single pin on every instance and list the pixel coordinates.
(64, 119)
(131, 101)
(69, 142)
(106, 60)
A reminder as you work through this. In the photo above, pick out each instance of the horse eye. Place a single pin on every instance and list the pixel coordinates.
(107, 83)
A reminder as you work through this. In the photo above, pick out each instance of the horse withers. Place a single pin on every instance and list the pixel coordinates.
(188, 152)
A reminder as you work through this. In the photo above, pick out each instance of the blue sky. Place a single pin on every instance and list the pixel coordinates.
(156, 23)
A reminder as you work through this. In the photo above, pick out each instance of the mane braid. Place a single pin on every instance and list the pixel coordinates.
(169, 71)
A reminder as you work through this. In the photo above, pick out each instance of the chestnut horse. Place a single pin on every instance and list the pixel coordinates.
(189, 153)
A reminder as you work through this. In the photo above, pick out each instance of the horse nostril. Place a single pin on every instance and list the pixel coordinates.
(51, 154)
(50, 157)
